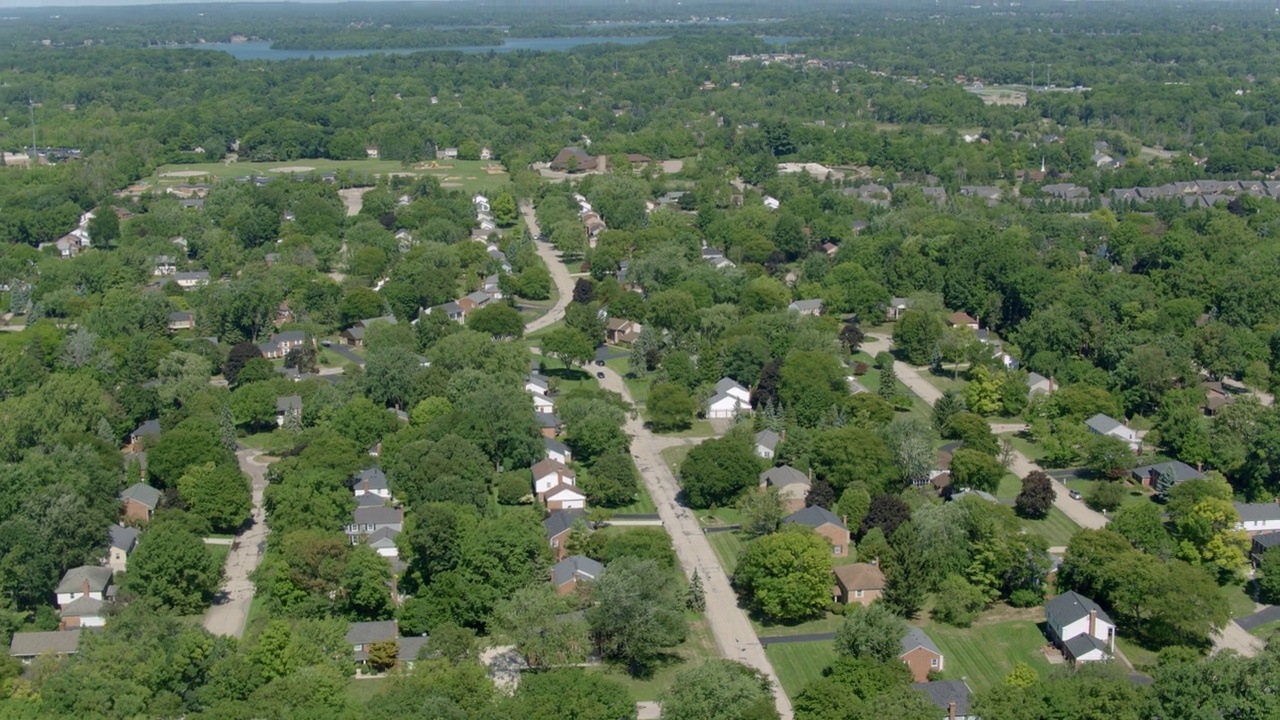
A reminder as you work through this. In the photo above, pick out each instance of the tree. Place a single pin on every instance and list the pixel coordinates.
(104, 227)
(218, 493)
(851, 336)
(1105, 496)
(719, 690)
(638, 612)
(451, 642)
(571, 694)
(916, 334)
(1143, 526)
(975, 470)
(383, 654)
(533, 619)
(670, 407)
(612, 481)
(907, 576)
(182, 447)
(717, 471)
(1109, 457)
(912, 442)
(973, 432)
(1269, 576)
(762, 511)
(172, 567)
(240, 354)
(429, 409)
(886, 512)
(504, 210)
(497, 319)
(982, 395)
(696, 600)
(958, 602)
(946, 407)
(888, 388)
(365, 585)
(811, 383)
(1036, 497)
(870, 633)
(820, 494)
(786, 576)
(568, 346)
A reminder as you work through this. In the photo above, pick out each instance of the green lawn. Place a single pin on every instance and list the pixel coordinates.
(1140, 657)
(799, 664)
(468, 175)
(986, 652)
(1033, 451)
(1265, 630)
(675, 455)
(1010, 486)
(1239, 600)
(719, 517)
(219, 553)
(638, 387)
(728, 547)
(1057, 528)
(360, 692)
(828, 623)
(698, 647)
(698, 429)
(1133, 493)
(643, 505)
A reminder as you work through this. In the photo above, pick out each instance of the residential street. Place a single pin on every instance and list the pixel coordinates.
(230, 611)
(559, 274)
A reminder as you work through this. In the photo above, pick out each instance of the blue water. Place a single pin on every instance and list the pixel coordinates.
(264, 51)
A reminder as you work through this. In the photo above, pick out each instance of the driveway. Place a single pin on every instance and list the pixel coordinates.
(345, 352)
(559, 274)
(230, 610)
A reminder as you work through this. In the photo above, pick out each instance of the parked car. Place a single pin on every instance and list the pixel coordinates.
(600, 375)
(599, 363)
(1075, 495)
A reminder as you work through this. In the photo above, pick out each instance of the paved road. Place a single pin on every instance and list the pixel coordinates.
(559, 274)
(1234, 637)
(1020, 466)
(345, 352)
(230, 611)
(1262, 617)
(734, 635)
(807, 637)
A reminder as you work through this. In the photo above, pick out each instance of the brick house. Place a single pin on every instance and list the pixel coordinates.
(825, 523)
(572, 571)
(921, 655)
(557, 525)
(859, 583)
(140, 501)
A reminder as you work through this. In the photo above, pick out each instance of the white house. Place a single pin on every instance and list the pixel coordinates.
(383, 540)
(806, 307)
(771, 202)
(1256, 518)
(564, 497)
(542, 403)
(766, 443)
(371, 481)
(557, 451)
(547, 474)
(724, 405)
(84, 581)
(192, 279)
(1082, 630)
(1104, 425)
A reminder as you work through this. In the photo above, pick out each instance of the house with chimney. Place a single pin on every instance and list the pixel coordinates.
(1038, 384)
(81, 596)
(793, 485)
(371, 481)
(953, 698)
(181, 321)
(921, 655)
(354, 335)
(1079, 628)
(858, 583)
(825, 523)
(365, 521)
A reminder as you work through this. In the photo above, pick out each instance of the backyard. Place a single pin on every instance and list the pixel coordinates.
(1057, 528)
(987, 652)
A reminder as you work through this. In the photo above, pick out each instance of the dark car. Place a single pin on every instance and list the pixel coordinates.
(599, 363)
(600, 375)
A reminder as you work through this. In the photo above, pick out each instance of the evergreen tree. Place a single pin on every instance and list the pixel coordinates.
(697, 596)
(888, 383)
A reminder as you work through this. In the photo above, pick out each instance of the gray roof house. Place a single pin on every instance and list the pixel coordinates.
(148, 428)
(1107, 425)
(124, 538)
(143, 494)
(783, 475)
(97, 579)
(360, 635)
(952, 697)
(1258, 518)
(1071, 606)
(806, 307)
(767, 442)
(573, 569)
(813, 516)
(370, 481)
(916, 638)
(1176, 469)
(27, 646)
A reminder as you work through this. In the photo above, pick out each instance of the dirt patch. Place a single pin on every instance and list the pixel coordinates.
(293, 169)
(672, 166)
(184, 173)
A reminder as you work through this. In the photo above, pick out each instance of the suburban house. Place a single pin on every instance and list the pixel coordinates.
(550, 473)
(962, 319)
(89, 581)
(951, 696)
(536, 384)
(921, 655)
(473, 301)
(1175, 471)
(383, 540)
(542, 403)
(767, 443)
(288, 405)
(557, 525)
(279, 345)
(123, 541)
(368, 520)
(354, 335)
(140, 500)
(730, 400)
(192, 279)
(806, 307)
(567, 574)
(83, 612)
(371, 481)
(622, 332)
(574, 159)
(860, 583)
(895, 308)
(793, 485)
(1261, 543)
(564, 497)
(548, 423)
(1038, 384)
(771, 202)
(163, 265)
(363, 634)
(1079, 628)
(557, 451)
(27, 646)
(1258, 518)
(182, 321)
(451, 310)
(825, 523)
(1105, 425)
(1216, 398)
(137, 438)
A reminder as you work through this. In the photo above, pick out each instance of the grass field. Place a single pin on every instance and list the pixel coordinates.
(468, 175)
(1239, 600)
(1057, 528)
(728, 547)
(1133, 493)
(219, 553)
(985, 653)
(699, 646)
(673, 456)
(827, 623)
(1265, 630)
(360, 692)
(643, 505)
(638, 387)
(799, 664)
(1033, 452)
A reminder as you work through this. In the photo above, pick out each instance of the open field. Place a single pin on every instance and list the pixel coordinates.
(799, 664)
(469, 175)
(985, 653)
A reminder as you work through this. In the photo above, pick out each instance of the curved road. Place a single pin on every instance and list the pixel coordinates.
(734, 635)
(230, 611)
(559, 274)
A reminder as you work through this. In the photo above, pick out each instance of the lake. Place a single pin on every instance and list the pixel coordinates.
(264, 51)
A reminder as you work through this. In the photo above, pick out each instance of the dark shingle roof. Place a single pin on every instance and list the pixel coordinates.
(1070, 606)
(916, 638)
(1258, 512)
(768, 439)
(561, 520)
(142, 493)
(376, 478)
(944, 692)
(813, 517)
(1083, 644)
(1103, 424)
(123, 537)
(32, 644)
(98, 578)
(83, 606)
(1179, 470)
(150, 427)
(575, 566)
(784, 475)
(1267, 540)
